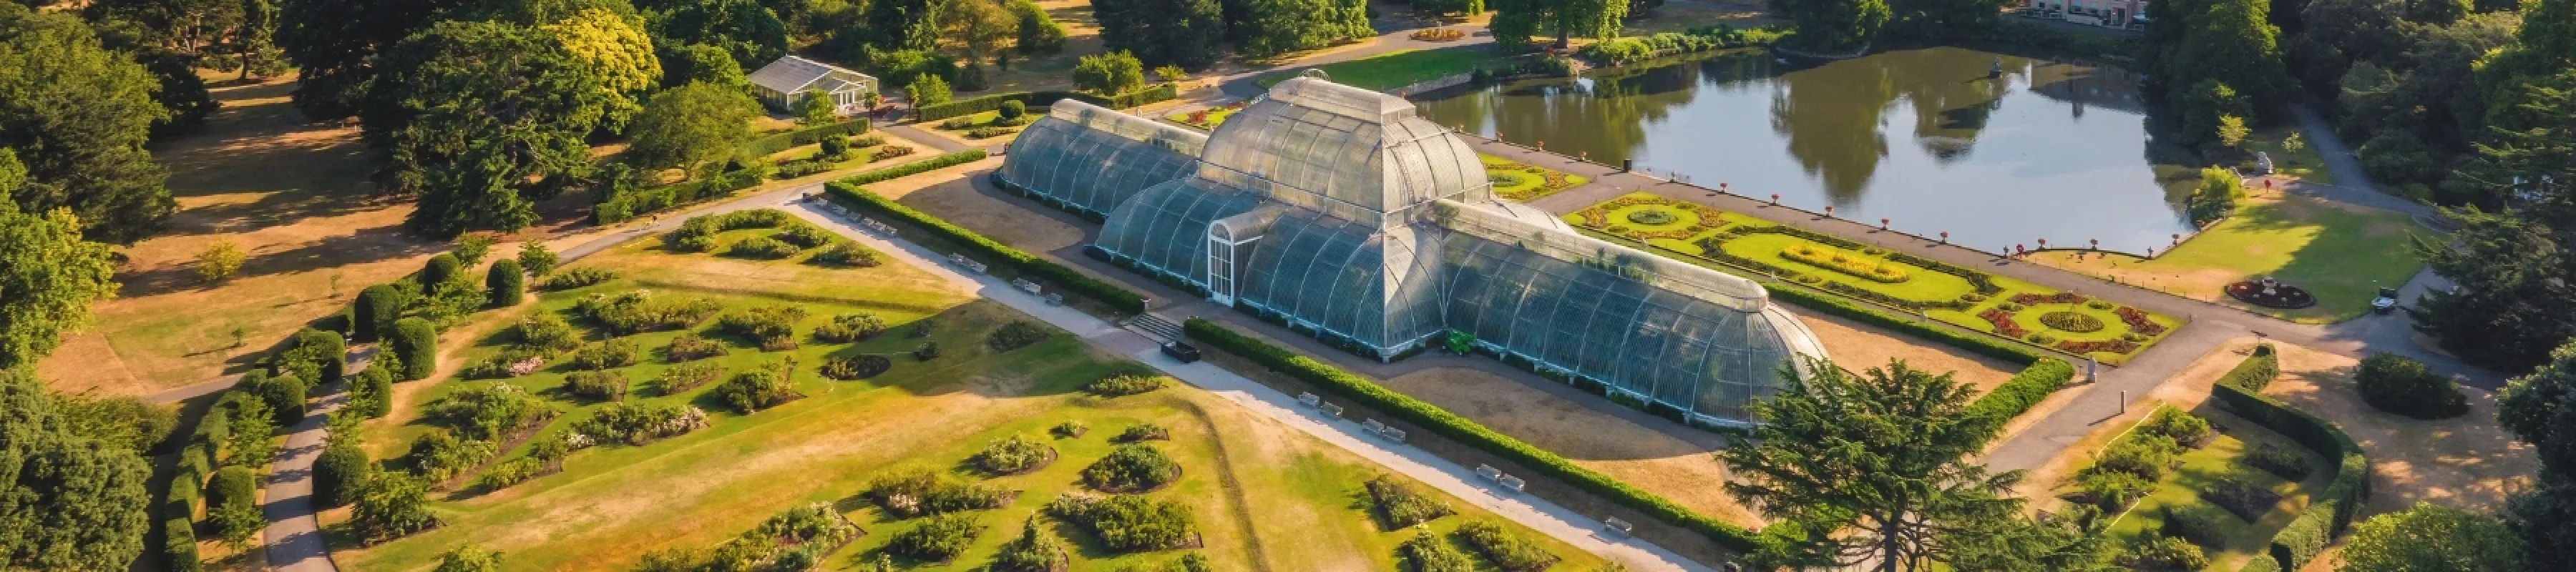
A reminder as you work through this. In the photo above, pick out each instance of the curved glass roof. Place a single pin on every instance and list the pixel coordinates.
(1342, 150)
(1343, 277)
(1091, 159)
(1165, 226)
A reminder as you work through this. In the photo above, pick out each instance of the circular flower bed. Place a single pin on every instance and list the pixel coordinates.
(2280, 295)
(1652, 217)
(2071, 321)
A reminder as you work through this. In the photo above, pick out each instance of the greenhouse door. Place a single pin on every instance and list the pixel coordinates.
(1220, 269)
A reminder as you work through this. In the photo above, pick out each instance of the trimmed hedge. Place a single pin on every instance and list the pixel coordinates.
(2024, 390)
(232, 484)
(1371, 395)
(2307, 536)
(378, 307)
(338, 474)
(622, 206)
(974, 105)
(2261, 563)
(2255, 372)
(771, 144)
(179, 545)
(1118, 298)
(507, 283)
(915, 168)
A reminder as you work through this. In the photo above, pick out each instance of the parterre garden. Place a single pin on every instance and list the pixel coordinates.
(2064, 321)
(1524, 182)
(752, 392)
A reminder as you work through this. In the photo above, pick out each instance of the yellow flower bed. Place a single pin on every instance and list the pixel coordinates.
(1846, 263)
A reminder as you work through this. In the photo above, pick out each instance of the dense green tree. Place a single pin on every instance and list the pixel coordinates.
(1830, 24)
(1112, 73)
(2230, 41)
(2516, 279)
(67, 501)
(983, 26)
(2206, 107)
(704, 63)
(484, 109)
(1882, 454)
(2071, 541)
(744, 28)
(928, 90)
(536, 259)
(1273, 27)
(1178, 32)
(1039, 33)
(78, 115)
(2431, 538)
(692, 125)
(1942, 18)
(615, 48)
(375, 311)
(339, 474)
(2540, 409)
(53, 273)
(335, 45)
(903, 24)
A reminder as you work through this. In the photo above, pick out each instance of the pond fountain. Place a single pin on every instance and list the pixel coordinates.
(1997, 149)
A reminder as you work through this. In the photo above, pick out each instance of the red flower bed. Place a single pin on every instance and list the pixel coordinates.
(2057, 298)
(2138, 321)
(2003, 323)
(2113, 346)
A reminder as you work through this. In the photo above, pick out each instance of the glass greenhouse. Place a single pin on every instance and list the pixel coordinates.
(1339, 212)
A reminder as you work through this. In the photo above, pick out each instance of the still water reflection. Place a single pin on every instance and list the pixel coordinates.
(1925, 137)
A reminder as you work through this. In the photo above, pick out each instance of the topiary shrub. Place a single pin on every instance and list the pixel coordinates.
(2399, 384)
(179, 545)
(2256, 372)
(2071, 321)
(939, 539)
(415, 342)
(338, 474)
(1017, 334)
(284, 395)
(377, 308)
(507, 283)
(232, 484)
(441, 269)
(1133, 467)
(596, 385)
(1012, 109)
(1399, 506)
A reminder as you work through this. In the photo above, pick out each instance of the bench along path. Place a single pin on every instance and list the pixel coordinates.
(1547, 518)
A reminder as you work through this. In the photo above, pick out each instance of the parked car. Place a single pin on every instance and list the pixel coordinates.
(2386, 302)
(1181, 352)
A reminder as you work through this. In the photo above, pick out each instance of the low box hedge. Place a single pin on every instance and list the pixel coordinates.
(773, 143)
(2024, 390)
(2308, 535)
(914, 168)
(1371, 395)
(848, 191)
(2256, 372)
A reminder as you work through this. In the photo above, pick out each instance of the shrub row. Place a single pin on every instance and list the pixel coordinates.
(622, 205)
(1118, 298)
(2255, 372)
(2018, 394)
(2308, 535)
(1371, 395)
(914, 168)
(1633, 49)
(771, 144)
(971, 106)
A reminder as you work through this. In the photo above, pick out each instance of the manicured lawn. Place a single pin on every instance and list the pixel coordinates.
(2201, 468)
(2304, 164)
(1684, 226)
(1529, 182)
(1259, 491)
(2340, 253)
(1398, 69)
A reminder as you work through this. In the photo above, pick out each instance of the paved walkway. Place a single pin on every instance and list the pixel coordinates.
(294, 535)
(1545, 517)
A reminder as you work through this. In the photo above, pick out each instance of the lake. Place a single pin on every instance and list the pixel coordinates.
(2048, 149)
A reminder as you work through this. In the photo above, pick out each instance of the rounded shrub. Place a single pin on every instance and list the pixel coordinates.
(1013, 109)
(415, 342)
(378, 306)
(2071, 321)
(507, 282)
(338, 474)
(441, 269)
(2399, 384)
(284, 395)
(371, 392)
(231, 484)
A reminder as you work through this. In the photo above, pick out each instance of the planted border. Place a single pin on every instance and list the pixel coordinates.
(2316, 526)
(974, 105)
(849, 192)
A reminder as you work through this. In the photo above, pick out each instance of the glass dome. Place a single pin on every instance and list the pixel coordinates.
(1089, 159)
